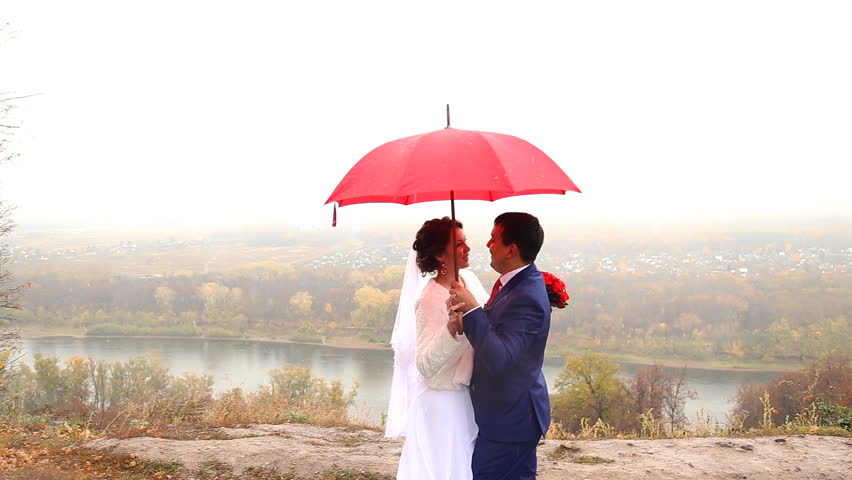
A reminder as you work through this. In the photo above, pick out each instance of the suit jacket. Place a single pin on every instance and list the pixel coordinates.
(507, 389)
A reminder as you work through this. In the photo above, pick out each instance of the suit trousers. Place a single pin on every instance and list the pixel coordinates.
(504, 460)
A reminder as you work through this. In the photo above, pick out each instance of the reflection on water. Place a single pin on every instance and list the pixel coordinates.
(245, 364)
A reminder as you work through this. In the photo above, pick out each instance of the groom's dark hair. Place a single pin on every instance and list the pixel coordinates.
(523, 230)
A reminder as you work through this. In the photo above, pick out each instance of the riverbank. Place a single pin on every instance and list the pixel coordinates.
(721, 365)
(361, 344)
(342, 342)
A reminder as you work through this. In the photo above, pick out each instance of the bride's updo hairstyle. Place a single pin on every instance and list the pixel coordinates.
(431, 240)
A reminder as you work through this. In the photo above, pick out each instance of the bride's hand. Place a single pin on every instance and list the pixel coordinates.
(455, 322)
(461, 296)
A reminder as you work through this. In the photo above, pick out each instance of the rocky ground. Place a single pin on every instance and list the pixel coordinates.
(307, 451)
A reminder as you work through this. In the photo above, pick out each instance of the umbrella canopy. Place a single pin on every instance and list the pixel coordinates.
(451, 164)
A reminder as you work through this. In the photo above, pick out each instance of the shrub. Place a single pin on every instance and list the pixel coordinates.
(794, 394)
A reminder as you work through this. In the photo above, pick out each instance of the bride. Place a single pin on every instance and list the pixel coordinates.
(429, 402)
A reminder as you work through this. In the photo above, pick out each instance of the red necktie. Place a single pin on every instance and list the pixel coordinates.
(494, 291)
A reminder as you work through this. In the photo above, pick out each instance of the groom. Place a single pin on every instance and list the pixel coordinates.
(508, 334)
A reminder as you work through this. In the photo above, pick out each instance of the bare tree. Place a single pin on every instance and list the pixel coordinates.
(9, 338)
(664, 394)
(7, 125)
(650, 385)
(674, 399)
(8, 290)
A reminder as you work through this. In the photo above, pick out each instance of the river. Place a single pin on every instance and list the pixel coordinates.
(245, 364)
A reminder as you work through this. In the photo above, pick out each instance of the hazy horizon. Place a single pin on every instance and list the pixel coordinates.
(803, 232)
(476, 215)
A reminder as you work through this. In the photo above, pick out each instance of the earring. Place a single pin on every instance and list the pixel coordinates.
(442, 270)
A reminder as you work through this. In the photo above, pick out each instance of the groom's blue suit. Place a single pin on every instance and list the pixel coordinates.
(508, 391)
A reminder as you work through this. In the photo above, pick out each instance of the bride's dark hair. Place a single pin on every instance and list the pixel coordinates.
(432, 239)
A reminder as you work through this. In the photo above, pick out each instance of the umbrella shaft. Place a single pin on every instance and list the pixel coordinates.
(453, 230)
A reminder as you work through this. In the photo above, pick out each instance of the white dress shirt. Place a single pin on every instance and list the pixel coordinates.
(504, 279)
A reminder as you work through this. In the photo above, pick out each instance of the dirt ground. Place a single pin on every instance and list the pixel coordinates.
(306, 450)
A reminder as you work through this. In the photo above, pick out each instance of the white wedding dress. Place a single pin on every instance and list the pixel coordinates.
(430, 404)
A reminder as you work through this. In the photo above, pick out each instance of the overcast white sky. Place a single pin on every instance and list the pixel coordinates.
(190, 112)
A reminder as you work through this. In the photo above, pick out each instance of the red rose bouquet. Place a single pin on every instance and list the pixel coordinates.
(555, 290)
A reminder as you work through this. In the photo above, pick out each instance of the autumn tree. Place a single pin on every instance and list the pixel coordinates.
(136, 380)
(823, 382)
(301, 303)
(589, 388)
(98, 372)
(375, 308)
(49, 381)
(165, 297)
(686, 323)
(76, 382)
(391, 277)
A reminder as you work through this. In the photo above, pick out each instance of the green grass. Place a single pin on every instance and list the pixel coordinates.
(305, 338)
(715, 364)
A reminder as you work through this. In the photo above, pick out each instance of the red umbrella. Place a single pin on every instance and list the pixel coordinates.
(474, 165)
(450, 164)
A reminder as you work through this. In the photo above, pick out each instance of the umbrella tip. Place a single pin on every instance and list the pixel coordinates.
(448, 115)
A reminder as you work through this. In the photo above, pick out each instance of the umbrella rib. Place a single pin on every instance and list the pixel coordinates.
(500, 164)
(404, 171)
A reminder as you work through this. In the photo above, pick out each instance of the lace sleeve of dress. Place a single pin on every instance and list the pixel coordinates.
(435, 344)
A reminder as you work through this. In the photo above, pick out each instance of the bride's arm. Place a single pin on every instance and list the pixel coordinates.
(435, 344)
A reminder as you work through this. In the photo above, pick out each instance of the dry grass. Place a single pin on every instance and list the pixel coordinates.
(706, 426)
(703, 426)
(232, 409)
(571, 451)
(164, 409)
(807, 422)
(54, 453)
(235, 408)
(191, 412)
(562, 451)
(591, 460)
